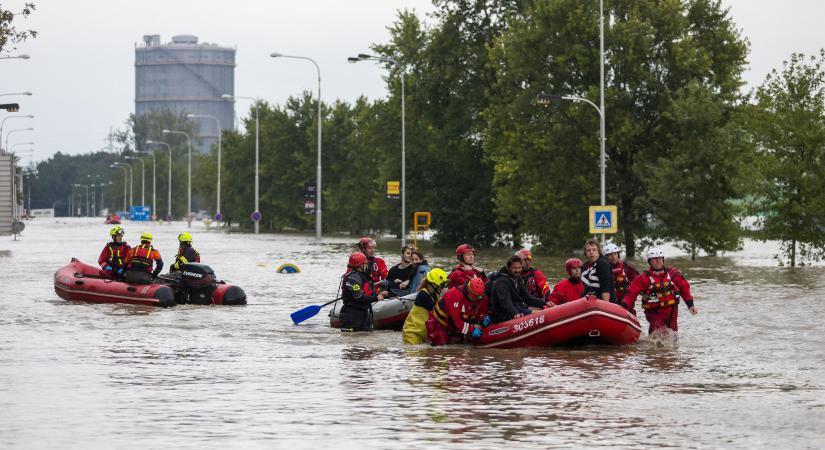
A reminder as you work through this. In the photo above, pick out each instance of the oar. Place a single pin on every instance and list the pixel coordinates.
(310, 311)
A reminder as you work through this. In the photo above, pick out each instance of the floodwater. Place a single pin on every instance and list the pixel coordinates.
(747, 372)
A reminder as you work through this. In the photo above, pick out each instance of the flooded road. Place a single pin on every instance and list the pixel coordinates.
(747, 372)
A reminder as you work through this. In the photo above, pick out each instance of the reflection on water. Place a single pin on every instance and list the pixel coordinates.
(748, 371)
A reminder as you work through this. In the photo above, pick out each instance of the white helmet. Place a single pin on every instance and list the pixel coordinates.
(611, 248)
(655, 252)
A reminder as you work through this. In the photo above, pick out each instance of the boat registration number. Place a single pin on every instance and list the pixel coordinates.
(527, 323)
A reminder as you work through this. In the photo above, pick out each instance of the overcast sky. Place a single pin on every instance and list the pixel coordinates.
(82, 66)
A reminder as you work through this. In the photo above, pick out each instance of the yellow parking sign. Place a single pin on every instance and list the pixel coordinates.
(604, 219)
(393, 187)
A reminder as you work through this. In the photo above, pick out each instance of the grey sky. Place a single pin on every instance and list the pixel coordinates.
(82, 66)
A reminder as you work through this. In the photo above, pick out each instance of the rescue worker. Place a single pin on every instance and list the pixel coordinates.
(415, 326)
(461, 313)
(465, 270)
(358, 295)
(623, 272)
(186, 253)
(140, 261)
(534, 279)
(401, 274)
(571, 288)
(597, 274)
(509, 298)
(378, 268)
(112, 259)
(661, 288)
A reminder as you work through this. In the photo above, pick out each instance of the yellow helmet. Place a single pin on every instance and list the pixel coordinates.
(146, 236)
(185, 237)
(115, 231)
(437, 277)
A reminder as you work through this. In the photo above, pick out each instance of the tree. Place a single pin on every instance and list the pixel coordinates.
(547, 158)
(10, 36)
(789, 128)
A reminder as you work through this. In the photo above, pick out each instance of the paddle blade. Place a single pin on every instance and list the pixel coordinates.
(305, 313)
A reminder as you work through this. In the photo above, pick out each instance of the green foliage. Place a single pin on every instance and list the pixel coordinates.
(789, 128)
(10, 36)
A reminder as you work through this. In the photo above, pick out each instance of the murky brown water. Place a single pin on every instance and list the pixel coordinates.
(747, 372)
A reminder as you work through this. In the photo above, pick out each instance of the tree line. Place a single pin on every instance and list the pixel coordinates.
(689, 154)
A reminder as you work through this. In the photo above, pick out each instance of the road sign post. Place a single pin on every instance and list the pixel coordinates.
(604, 219)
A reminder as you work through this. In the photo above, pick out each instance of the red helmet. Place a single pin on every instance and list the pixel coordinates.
(365, 242)
(572, 263)
(462, 249)
(475, 289)
(525, 254)
(356, 259)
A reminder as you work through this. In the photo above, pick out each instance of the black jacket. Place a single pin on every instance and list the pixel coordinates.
(358, 296)
(510, 297)
(598, 278)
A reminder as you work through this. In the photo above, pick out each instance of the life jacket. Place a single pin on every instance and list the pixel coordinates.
(182, 259)
(142, 258)
(660, 294)
(467, 315)
(116, 254)
(367, 288)
(621, 280)
(440, 312)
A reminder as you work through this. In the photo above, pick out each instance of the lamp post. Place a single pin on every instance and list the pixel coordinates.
(16, 57)
(319, 187)
(114, 166)
(3, 122)
(169, 198)
(218, 216)
(16, 93)
(257, 152)
(365, 57)
(87, 196)
(189, 188)
(15, 131)
(142, 178)
(94, 193)
(131, 183)
(154, 180)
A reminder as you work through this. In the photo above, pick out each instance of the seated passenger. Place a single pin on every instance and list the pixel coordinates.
(140, 261)
(401, 274)
(509, 298)
(534, 279)
(415, 328)
(570, 288)
(358, 295)
(465, 270)
(112, 259)
(421, 269)
(186, 253)
(377, 266)
(459, 314)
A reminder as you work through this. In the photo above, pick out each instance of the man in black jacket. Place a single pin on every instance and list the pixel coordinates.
(597, 273)
(510, 298)
(358, 295)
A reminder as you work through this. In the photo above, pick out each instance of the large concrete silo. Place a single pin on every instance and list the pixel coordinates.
(185, 76)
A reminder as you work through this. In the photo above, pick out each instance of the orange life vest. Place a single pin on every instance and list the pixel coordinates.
(142, 258)
(660, 294)
(116, 255)
(620, 280)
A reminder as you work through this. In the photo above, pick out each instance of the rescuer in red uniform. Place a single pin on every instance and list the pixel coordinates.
(377, 267)
(661, 288)
(623, 272)
(571, 288)
(534, 279)
(112, 259)
(460, 313)
(465, 270)
(140, 261)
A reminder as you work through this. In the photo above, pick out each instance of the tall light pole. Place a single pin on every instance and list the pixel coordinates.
(169, 195)
(383, 59)
(142, 178)
(16, 57)
(94, 193)
(3, 122)
(125, 183)
(154, 180)
(257, 212)
(87, 195)
(15, 131)
(16, 93)
(319, 187)
(131, 184)
(189, 188)
(218, 216)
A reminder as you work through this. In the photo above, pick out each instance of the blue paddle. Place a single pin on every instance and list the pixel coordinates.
(308, 312)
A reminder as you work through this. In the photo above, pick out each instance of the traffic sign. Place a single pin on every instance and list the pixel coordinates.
(604, 219)
(393, 190)
(256, 216)
(218, 217)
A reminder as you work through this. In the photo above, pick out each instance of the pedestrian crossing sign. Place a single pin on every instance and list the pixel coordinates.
(603, 219)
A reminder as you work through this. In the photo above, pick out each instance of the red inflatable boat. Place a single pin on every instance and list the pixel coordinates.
(584, 321)
(82, 282)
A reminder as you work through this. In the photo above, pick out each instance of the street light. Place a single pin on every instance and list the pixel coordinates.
(94, 193)
(11, 149)
(189, 188)
(383, 59)
(218, 216)
(16, 93)
(87, 196)
(319, 186)
(16, 57)
(169, 199)
(154, 180)
(142, 178)
(113, 166)
(257, 151)
(18, 116)
(131, 183)
(15, 131)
